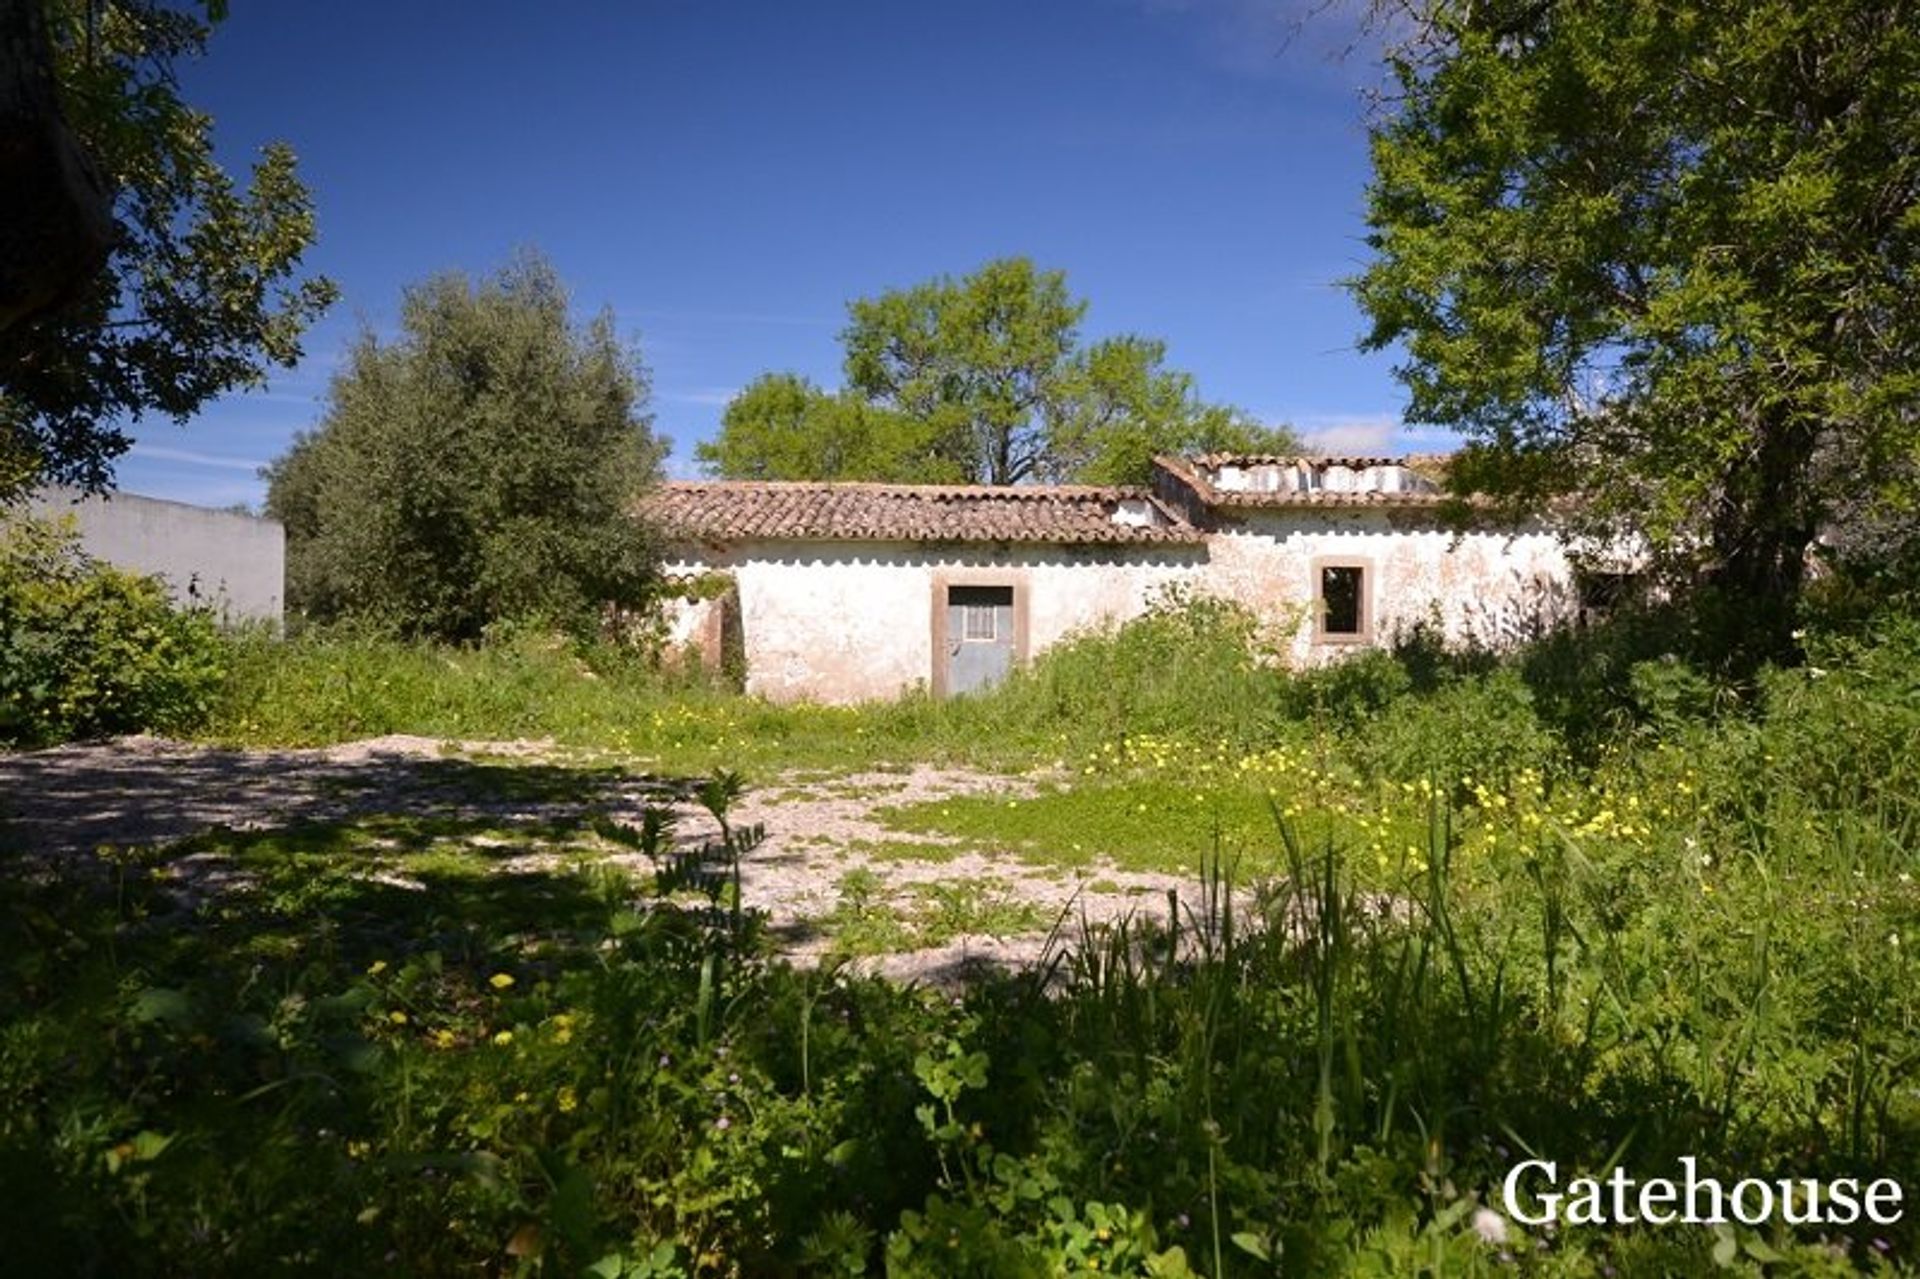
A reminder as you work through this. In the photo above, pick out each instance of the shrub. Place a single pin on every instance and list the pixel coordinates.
(1581, 676)
(1191, 665)
(88, 650)
(1354, 689)
(1843, 727)
(1482, 727)
(481, 467)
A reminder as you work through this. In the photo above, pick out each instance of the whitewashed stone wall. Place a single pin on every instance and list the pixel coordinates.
(1487, 587)
(853, 621)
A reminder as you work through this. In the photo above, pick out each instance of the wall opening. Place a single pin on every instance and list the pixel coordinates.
(1340, 603)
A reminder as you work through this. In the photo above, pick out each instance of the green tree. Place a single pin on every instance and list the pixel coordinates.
(982, 379)
(781, 426)
(1118, 408)
(481, 467)
(197, 294)
(1662, 257)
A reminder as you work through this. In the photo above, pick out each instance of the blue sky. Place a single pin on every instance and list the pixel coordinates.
(726, 176)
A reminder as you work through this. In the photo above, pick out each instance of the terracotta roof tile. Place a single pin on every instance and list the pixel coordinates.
(765, 510)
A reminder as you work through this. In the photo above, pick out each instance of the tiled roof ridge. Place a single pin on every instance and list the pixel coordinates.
(723, 510)
(1018, 492)
(1179, 506)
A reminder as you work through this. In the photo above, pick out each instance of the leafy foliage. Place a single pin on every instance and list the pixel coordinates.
(199, 294)
(87, 650)
(480, 468)
(397, 1050)
(1662, 257)
(783, 427)
(1190, 663)
(549, 1040)
(982, 380)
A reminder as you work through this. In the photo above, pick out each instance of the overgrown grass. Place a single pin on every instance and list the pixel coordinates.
(1474, 939)
(868, 920)
(387, 1055)
(1153, 823)
(1191, 667)
(327, 688)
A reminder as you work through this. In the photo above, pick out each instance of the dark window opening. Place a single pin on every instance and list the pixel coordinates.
(1341, 608)
(1603, 594)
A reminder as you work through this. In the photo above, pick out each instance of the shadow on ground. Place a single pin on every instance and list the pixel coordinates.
(136, 793)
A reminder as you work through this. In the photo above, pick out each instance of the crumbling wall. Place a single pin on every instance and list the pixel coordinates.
(850, 622)
(700, 621)
(1481, 586)
(853, 621)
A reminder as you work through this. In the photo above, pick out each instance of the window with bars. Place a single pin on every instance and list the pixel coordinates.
(984, 614)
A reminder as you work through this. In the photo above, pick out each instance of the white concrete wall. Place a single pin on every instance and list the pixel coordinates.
(847, 622)
(234, 563)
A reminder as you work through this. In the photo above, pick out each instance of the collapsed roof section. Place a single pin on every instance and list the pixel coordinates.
(1231, 480)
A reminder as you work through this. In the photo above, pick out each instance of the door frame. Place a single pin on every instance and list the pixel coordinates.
(944, 578)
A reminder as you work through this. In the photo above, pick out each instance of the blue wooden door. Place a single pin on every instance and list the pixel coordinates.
(979, 636)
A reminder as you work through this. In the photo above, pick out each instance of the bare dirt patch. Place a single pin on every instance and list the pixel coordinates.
(58, 807)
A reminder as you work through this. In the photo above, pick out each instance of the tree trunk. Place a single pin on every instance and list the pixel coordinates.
(1766, 523)
(56, 211)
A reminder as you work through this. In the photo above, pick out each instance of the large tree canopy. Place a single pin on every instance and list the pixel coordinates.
(481, 467)
(982, 379)
(134, 276)
(783, 427)
(1661, 256)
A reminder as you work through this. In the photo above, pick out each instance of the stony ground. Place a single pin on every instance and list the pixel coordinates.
(823, 838)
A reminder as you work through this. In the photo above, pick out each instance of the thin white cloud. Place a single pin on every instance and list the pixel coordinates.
(1368, 434)
(161, 453)
(196, 491)
(1357, 436)
(705, 395)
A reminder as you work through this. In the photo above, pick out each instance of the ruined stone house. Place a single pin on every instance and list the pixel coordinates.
(842, 592)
